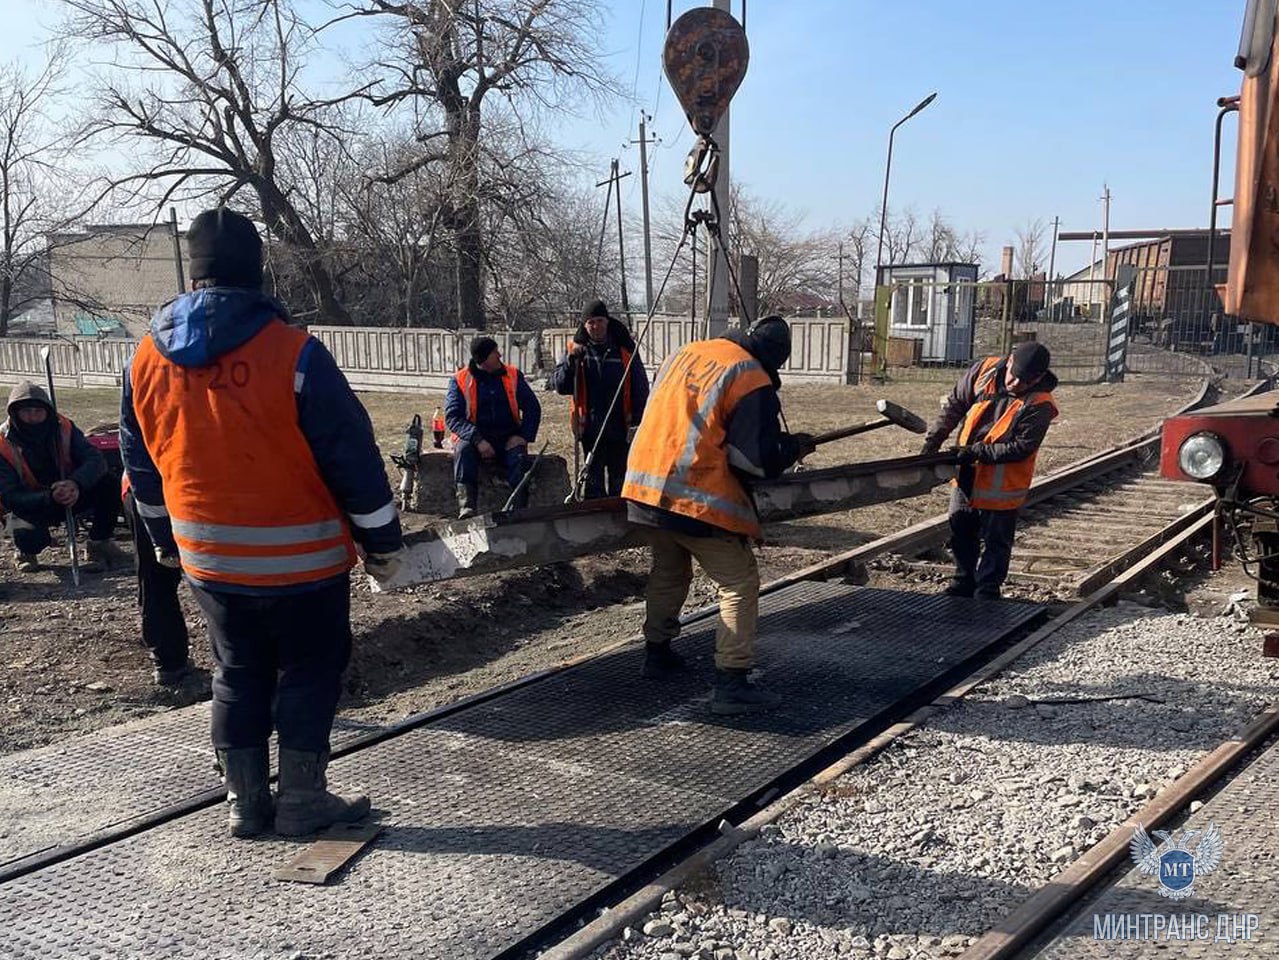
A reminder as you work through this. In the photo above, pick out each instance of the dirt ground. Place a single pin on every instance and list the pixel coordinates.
(71, 660)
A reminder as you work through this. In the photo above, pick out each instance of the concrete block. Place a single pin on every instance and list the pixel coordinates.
(436, 495)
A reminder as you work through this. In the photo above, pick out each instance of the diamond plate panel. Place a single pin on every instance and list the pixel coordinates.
(1247, 882)
(54, 795)
(503, 816)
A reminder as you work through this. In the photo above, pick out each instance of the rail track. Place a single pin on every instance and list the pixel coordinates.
(1101, 561)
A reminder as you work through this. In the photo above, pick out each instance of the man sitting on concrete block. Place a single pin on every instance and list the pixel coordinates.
(493, 415)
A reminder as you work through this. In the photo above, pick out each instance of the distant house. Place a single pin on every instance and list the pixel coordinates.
(1082, 294)
(108, 279)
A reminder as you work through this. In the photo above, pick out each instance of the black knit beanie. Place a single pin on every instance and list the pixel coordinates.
(1030, 359)
(596, 308)
(224, 247)
(481, 347)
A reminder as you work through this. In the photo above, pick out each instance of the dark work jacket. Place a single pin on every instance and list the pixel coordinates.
(88, 466)
(603, 367)
(493, 418)
(1027, 433)
(756, 449)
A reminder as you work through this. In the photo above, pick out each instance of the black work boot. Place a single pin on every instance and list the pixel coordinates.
(959, 587)
(246, 771)
(734, 693)
(466, 494)
(660, 661)
(304, 805)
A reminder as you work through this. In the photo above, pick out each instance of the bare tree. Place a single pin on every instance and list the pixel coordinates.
(1030, 247)
(203, 95)
(453, 57)
(34, 189)
(794, 263)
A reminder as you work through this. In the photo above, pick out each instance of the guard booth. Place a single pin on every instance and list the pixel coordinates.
(933, 305)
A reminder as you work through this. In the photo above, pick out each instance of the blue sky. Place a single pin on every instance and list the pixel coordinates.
(1038, 104)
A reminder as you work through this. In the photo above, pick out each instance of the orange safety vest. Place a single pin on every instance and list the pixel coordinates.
(243, 491)
(999, 486)
(578, 411)
(13, 455)
(471, 391)
(678, 461)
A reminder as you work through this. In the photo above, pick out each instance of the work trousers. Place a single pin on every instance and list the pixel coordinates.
(284, 653)
(982, 544)
(729, 561)
(29, 529)
(608, 469)
(164, 629)
(467, 459)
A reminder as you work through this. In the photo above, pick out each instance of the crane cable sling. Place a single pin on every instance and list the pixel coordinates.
(711, 220)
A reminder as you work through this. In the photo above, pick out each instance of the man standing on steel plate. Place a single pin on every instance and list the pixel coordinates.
(1006, 406)
(712, 419)
(36, 449)
(600, 360)
(254, 467)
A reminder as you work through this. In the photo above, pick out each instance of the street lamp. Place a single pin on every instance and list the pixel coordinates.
(883, 208)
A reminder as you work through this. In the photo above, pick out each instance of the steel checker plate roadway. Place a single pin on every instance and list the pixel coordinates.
(1246, 882)
(56, 795)
(504, 815)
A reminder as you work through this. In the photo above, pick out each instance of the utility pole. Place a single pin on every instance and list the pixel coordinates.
(717, 305)
(1105, 232)
(840, 281)
(614, 180)
(621, 245)
(643, 142)
(1052, 262)
(1092, 275)
(177, 250)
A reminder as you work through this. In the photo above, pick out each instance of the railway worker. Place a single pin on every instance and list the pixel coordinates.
(493, 415)
(164, 628)
(255, 469)
(712, 420)
(591, 373)
(1005, 405)
(46, 466)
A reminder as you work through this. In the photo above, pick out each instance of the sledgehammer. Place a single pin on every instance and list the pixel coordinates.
(890, 414)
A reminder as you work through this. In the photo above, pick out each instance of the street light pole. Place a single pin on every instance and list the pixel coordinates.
(883, 207)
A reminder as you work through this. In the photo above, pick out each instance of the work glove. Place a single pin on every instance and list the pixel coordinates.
(969, 454)
(167, 558)
(383, 566)
(931, 446)
(794, 447)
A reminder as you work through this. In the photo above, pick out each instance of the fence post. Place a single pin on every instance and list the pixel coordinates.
(1009, 292)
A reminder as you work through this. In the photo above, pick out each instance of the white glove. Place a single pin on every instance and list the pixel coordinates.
(169, 560)
(383, 566)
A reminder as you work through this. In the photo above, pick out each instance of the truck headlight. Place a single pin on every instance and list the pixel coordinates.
(1202, 455)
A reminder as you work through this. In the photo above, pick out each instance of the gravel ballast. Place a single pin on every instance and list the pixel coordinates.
(918, 852)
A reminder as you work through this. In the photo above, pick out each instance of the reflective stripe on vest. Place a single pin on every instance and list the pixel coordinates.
(579, 410)
(999, 486)
(243, 491)
(467, 383)
(678, 460)
(12, 453)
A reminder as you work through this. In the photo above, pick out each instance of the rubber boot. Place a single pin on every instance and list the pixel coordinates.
(466, 494)
(102, 555)
(246, 771)
(304, 805)
(734, 693)
(661, 662)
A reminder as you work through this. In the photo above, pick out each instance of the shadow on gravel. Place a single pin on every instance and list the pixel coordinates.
(846, 890)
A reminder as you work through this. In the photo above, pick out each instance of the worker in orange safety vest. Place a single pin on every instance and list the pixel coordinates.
(604, 376)
(254, 468)
(1005, 405)
(712, 420)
